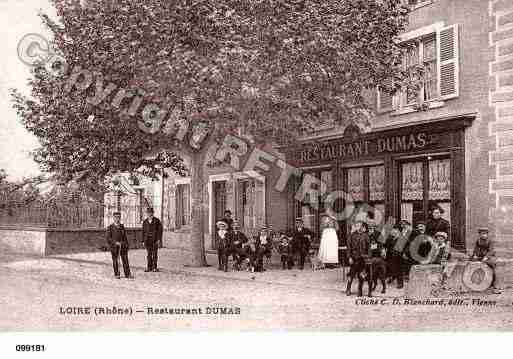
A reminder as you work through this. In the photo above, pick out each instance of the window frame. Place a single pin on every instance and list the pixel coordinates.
(397, 107)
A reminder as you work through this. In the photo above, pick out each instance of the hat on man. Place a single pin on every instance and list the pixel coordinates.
(221, 224)
(404, 222)
(299, 220)
(421, 223)
(441, 234)
(116, 213)
(482, 229)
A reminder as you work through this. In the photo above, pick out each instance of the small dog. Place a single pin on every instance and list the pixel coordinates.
(315, 262)
(375, 269)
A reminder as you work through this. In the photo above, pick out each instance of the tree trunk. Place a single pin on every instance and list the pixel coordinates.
(198, 187)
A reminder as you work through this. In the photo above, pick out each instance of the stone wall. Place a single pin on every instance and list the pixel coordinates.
(29, 240)
(48, 241)
(501, 129)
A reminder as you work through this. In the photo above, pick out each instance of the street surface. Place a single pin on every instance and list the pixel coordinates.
(34, 292)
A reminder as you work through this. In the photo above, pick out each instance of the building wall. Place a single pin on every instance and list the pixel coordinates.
(485, 91)
(473, 19)
(500, 129)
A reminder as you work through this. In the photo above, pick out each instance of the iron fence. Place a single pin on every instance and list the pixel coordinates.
(83, 215)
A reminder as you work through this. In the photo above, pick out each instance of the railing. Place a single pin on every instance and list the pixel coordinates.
(83, 215)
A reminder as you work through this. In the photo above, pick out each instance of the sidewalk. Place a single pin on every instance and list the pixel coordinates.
(174, 265)
(98, 266)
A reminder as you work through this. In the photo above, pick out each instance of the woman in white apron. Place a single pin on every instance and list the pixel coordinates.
(328, 249)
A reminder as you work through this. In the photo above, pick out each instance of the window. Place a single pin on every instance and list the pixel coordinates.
(435, 48)
(424, 183)
(183, 209)
(422, 52)
(366, 185)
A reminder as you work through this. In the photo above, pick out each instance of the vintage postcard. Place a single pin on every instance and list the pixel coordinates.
(292, 165)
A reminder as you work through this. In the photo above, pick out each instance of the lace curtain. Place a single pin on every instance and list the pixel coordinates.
(355, 183)
(412, 179)
(377, 183)
(440, 179)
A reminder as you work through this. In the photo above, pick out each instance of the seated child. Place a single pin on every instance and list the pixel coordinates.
(286, 252)
(484, 251)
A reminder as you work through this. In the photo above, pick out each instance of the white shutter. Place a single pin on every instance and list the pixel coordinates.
(448, 62)
(385, 101)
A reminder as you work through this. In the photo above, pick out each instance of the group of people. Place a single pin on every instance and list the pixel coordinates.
(117, 242)
(231, 241)
(372, 257)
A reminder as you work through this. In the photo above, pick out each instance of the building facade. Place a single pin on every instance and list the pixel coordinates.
(450, 144)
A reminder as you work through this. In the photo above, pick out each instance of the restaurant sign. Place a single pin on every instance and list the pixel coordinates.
(318, 152)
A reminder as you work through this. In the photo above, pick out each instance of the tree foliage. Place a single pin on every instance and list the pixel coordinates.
(279, 65)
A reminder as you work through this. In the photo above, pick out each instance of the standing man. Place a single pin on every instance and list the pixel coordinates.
(228, 219)
(118, 244)
(223, 244)
(357, 252)
(152, 236)
(301, 238)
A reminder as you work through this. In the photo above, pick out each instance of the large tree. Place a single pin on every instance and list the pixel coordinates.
(134, 69)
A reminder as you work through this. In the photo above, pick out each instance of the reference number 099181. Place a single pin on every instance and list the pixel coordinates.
(30, 348)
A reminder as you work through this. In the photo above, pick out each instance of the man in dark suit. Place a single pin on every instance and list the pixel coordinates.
(118, 244)
(263, 243)
(223, 243)
(228, 219)
(152, 236)
(357, 253)
(301, 238)
(237, 242)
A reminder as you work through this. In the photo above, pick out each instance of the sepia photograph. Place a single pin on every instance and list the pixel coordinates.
(255, 166)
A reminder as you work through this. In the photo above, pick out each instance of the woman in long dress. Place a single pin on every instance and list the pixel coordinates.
(328, 249)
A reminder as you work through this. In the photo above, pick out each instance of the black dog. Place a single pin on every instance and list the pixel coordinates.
(375, 268)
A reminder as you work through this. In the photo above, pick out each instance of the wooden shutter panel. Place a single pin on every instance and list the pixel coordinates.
(448, 62)
(187, 203)
(385, 101)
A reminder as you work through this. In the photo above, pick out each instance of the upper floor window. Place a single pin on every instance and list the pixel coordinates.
(417, 3)
(435, 49)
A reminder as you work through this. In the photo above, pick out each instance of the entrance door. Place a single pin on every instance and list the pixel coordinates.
(219, 199)
(249, 210)
(311, 210)
(424, 183)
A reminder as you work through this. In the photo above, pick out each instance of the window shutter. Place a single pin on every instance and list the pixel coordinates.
(448, 62)
(179, 206)
(385, 101)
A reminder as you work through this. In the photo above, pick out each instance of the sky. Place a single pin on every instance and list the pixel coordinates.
(17, 18)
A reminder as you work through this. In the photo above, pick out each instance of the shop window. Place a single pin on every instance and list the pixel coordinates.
(183, 202)
(436, 51)
(366, 185)
(425, 183)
